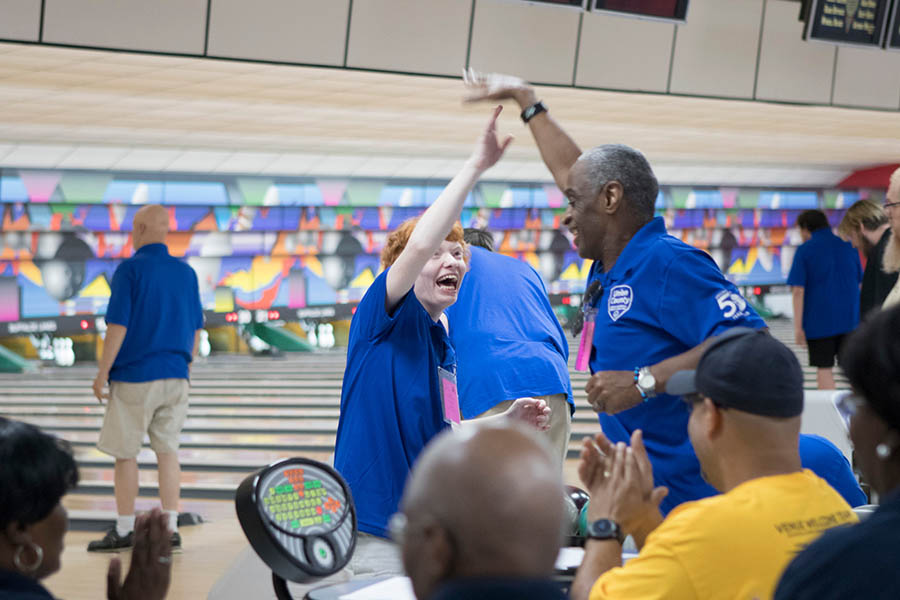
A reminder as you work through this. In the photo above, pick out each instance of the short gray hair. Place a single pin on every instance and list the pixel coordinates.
(629, 167)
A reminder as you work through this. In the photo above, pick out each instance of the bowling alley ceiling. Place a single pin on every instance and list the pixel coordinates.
(89, 109)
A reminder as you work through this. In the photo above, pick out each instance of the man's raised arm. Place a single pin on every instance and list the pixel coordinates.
(558, 150)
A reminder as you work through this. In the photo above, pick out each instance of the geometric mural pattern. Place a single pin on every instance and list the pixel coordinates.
(259, 243)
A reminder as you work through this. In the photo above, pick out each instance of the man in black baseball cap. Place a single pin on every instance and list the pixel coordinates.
(746, 398)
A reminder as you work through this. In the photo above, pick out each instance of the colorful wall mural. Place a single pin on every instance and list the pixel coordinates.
(300, 245)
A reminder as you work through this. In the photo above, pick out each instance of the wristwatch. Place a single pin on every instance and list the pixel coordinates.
(533, 110)
(645, 382)
(605, 529)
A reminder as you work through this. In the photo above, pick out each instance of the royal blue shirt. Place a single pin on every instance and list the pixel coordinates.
(508, 340)
(827, 461)
(390, 400)
(828, 270)
(661, 298)
(156, 297)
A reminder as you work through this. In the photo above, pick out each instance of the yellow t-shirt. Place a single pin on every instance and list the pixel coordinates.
(732, 546)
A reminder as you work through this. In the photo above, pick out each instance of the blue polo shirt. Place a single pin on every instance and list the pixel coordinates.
(661, 298)
(390, 400)
(508, 340)
(155, 296)
(828, 270)
(827, 461)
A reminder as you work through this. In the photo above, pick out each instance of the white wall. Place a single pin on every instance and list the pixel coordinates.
(746, 49)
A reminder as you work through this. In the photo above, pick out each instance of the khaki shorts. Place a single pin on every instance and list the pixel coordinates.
(158, 408)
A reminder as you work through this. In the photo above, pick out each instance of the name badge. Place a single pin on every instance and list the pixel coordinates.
(582, 361)
(449, 398)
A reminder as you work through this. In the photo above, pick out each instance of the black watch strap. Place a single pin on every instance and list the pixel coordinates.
(533, 110)
(605, 529)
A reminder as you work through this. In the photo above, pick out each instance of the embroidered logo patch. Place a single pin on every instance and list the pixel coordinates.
(619, 301)
(731, 304)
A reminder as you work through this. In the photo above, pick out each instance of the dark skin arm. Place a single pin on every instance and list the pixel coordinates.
(614, 391)
(558, 150)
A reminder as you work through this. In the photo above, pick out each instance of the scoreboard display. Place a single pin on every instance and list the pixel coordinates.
(857, 22)
(572, 3)
(892, 36)
(669, 10)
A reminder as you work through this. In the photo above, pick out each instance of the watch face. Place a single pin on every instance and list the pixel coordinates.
(603, 529)
(647, 380)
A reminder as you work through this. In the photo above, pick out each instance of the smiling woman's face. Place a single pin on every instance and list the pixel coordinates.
(438, 283)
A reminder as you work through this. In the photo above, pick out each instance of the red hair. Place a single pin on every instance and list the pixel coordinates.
(398, 238)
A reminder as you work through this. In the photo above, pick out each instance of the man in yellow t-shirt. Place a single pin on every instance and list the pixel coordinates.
(746, 399)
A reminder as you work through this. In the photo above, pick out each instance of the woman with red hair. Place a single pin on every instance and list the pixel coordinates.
(399, 387)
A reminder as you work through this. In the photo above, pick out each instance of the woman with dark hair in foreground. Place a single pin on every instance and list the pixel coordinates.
(861, 561)
(36, 471)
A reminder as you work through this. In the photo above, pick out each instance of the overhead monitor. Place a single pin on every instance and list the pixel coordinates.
(857, 22)
(668, 10)
(892, 35)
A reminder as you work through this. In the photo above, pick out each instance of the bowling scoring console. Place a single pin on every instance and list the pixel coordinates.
(299, 516)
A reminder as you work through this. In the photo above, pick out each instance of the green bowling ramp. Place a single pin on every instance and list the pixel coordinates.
(281, 338)
(10, 362)
(761, 309)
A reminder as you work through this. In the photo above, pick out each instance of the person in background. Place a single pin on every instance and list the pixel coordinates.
(154, 320)
(824, 278)
(891, 257)
(36, 471)
(509, 343)
(861, 561)
(867, 227)
(482, 517)
(744, 426)
(827, 461)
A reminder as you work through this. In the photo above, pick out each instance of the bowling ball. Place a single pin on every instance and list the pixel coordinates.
(570, 520)
(578, 495)
(582, 523)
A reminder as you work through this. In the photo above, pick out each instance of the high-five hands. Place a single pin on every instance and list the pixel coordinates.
(495, 86)
(489, 149)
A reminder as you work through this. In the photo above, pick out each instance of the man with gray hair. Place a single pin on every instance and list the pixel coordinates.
(482, 516)
(651, 299)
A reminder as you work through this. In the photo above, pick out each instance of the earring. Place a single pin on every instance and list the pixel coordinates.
(883, 451)
(27, 569)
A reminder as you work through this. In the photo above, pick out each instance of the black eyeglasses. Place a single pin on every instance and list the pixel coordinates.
(593, 293)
